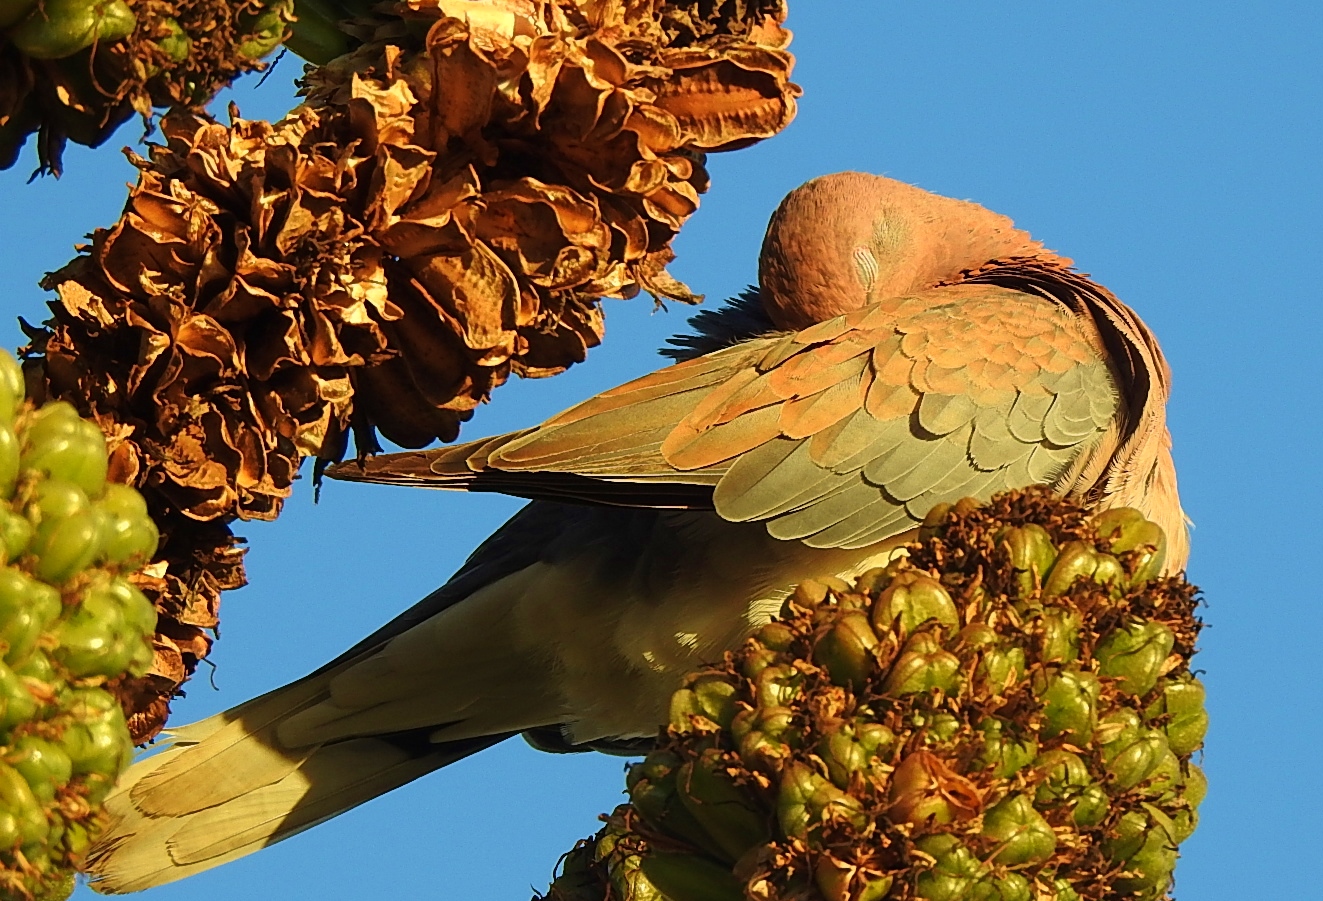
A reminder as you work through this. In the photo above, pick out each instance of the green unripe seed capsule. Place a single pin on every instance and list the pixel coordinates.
(725, 811)
(922, 666)
(689, 877)
(1127, 531)
(64, 446)
(1003, 751)
(60, 28)
(1059, 640)
(845, 650)
(66, 530)
(1020, 832)
(15, 535)
(12, 388)
(911, 599)
(44, 765)
(129, 535)
(1031, 554)
(955, 871)
(1070, 706)
(17, 798)
(17, 705)
(27, 608)
(1134, 655)
(9, 460)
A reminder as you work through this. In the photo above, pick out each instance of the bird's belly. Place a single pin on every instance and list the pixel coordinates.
(626, 639)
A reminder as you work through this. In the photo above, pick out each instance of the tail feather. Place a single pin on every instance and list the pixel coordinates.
(224, 788)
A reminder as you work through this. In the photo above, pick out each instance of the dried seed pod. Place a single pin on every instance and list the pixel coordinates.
(448, 208)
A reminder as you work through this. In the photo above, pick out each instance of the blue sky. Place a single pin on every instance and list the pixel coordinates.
(1171, 149)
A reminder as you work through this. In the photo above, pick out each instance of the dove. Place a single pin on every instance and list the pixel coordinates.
(901, 350)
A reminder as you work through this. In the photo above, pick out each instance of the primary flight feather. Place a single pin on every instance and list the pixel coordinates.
(901, 350)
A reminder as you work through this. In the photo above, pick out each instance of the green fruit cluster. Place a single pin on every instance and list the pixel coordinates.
(70, 622)
(1005, 714)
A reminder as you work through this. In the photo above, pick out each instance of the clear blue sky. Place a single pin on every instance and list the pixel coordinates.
(1173, 150)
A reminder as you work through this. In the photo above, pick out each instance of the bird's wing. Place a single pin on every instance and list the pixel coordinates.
(840, 435)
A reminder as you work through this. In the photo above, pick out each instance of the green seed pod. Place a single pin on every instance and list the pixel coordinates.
(60, 28)
(955, 869)
(652, 792)
(939, 727)
(96, 739)
(1127, 531)
(1031, 553)
(44, 765)
(9, 460)
(12, 388)
(1166, 780)
(17, 705)
(1067, 784)
(1182, 702)
(1019, 831)
(1065, 891)
(1010, 887)
(690, 877)
(266, 30)
(1070, 705)
(998, 669)
(1151, 846)
(838, 881)
(15, 535)
(1134, 755)
(806, 799)
(913, 598)
(129, 536)
(776, 636)
(1059, 638)
(710, 697)
(17, 798)
(1134, 655)
(758, 660)
(1196, 785)
(10, 831)
(922, 666)
(176, 43)
(931, 523)
(845, 650)
(1005, 752)
(778, 686)
(91, 646)
(1076, 560)
(844, 755)
(66, 530)
(726, 811)
(64, 446)
(763, 735)
(27, 608)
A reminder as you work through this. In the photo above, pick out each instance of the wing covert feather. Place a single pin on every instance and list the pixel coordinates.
(846, 432)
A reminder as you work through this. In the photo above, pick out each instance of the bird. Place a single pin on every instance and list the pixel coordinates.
(900, 350)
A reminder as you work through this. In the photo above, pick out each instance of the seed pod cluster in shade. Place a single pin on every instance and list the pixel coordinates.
(1006, 714)
(72, 625)
(75, 70)
(448, 207)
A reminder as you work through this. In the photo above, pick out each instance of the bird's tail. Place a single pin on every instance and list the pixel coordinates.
(225, 787)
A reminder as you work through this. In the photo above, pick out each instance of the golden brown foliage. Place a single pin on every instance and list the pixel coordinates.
(448, 207)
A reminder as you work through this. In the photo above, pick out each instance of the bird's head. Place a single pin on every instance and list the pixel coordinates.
(843, 241)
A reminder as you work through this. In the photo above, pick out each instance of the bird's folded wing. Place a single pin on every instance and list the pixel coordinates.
(841, 435)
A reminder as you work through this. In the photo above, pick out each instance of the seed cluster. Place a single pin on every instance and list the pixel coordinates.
(1006, 714)
(71, 624)
(78, 69)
